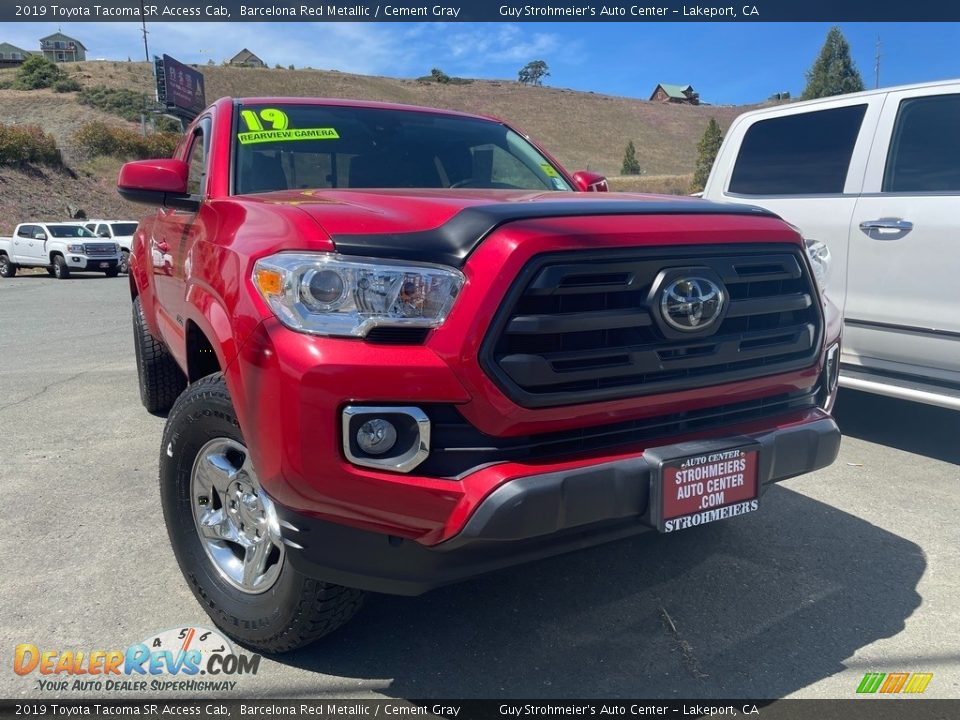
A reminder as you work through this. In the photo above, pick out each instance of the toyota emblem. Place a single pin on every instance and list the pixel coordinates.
(692, 304)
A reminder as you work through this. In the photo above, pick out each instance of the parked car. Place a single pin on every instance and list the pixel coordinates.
(62, 248)
(875, 177)
(400, 347)
(120, 231)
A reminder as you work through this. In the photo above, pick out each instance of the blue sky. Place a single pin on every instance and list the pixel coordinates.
(728, 63)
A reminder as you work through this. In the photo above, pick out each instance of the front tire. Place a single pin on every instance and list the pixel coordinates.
(124, 261)
(7, 268)
(113, 272)
(161, 379)
(225, 533)
(60, 269)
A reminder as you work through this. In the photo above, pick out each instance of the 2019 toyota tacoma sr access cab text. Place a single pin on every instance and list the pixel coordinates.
(401, 347)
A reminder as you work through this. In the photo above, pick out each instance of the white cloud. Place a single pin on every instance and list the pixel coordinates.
(397, 49)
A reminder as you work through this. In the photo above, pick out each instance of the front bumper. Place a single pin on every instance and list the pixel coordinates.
(91, 264)
(533, 517)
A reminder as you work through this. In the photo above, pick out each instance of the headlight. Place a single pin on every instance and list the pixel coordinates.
(819, 255)
(329, 294)
(75, 248)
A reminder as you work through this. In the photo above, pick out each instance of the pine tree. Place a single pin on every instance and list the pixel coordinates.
(631, 166)
(834, 72)
(706, 153)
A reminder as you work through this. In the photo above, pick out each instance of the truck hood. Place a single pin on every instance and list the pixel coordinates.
(445, 225)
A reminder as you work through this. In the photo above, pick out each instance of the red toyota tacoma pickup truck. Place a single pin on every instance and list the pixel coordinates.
(400, 347)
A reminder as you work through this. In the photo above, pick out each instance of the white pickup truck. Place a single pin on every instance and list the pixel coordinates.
(61, 248)
(876, 177)
(120, 231)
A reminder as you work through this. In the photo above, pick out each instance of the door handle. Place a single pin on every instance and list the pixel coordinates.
(895, 224)
(163, 247)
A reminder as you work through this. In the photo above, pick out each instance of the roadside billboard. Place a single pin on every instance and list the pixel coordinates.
(179, 88)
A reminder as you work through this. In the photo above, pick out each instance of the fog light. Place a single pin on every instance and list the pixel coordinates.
(376, 436)
(387, 438)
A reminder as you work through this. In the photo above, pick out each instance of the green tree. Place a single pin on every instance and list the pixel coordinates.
(37, 72)
(534, 72)
(833, 72)
(631, 166)
(439, 76)
(706, 153)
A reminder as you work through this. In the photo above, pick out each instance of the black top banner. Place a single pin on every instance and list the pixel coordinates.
(480, 11)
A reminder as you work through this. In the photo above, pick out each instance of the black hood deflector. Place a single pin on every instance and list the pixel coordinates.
(451, 243)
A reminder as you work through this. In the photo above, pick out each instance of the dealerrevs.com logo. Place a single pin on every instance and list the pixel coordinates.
(181, 659)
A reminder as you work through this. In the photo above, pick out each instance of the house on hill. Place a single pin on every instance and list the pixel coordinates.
(675, 94)
(62, 48)
(245, 58)
(11, 55)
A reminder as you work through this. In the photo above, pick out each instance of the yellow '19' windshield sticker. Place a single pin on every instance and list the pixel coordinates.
(264, 136)
(279, 128)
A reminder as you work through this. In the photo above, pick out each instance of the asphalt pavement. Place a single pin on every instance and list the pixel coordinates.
(853, 569)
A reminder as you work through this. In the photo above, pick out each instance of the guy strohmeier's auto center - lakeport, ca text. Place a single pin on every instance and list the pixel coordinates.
(371, 11)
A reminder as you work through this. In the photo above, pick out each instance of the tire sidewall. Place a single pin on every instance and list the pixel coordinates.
(196, 419)
(6, 267)
(59, 266)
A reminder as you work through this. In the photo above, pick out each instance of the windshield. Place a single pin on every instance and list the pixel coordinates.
(124, 228)
(69, 231)
(316, 146)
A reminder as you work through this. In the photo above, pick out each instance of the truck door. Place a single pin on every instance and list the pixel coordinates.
(805, 164)
(901, 312)
(175, 232)
(27, 245)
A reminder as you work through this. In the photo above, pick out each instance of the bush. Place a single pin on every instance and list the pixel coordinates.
(66, 85)
(123, 102)
(97, 138)
(631, 166)
(37, 72)
(166, 124)
(27, 143)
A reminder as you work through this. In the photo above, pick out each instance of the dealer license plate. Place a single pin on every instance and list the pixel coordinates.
(705, 487)
(104, 265)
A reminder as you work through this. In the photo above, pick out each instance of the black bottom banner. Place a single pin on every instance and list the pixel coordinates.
(853, 709)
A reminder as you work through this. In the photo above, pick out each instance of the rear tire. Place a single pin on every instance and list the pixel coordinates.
(7, 268)
(159, 376)
(207, 480)
(60, 269)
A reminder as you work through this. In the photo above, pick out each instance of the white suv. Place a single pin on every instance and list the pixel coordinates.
(120, 231)
(876, 177)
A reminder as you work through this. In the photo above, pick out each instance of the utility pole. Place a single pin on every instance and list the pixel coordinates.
(877, 66)
(143, 23)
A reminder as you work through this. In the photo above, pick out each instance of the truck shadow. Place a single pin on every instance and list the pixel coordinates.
(914, 427)
(760, 606)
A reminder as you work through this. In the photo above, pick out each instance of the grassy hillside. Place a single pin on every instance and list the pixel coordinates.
(584, 130)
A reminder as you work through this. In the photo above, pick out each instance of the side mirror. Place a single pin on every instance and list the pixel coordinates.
(590, 181)
(103, 233)
(39, 235)
(157, 182)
